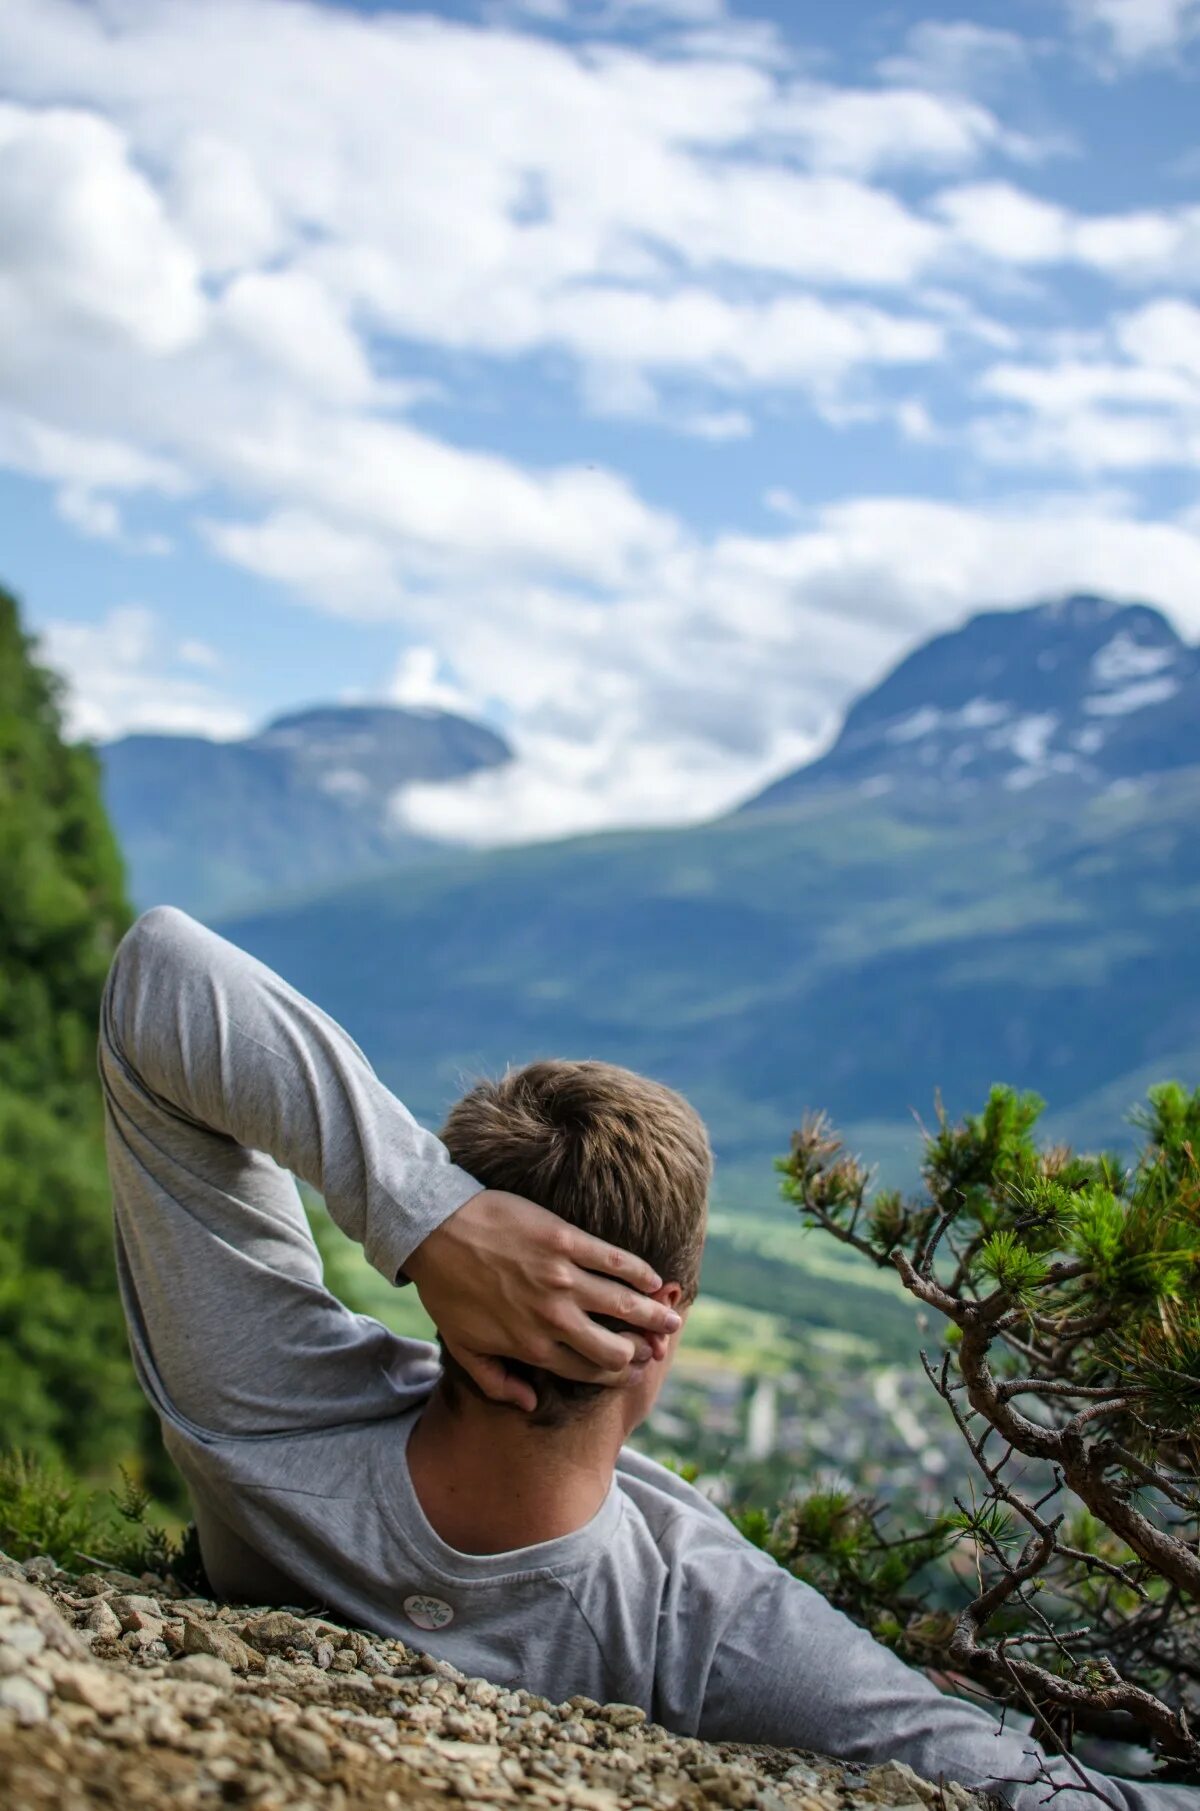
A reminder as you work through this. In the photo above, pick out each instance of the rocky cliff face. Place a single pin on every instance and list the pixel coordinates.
(1083, 692)
(118, 1691)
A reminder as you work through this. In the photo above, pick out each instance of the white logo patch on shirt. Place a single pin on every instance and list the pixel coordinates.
(428, 1612)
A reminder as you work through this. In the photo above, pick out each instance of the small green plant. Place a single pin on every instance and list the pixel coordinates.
(44, 1510)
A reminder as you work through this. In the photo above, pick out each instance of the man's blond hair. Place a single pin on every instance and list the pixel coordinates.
(619, 1155)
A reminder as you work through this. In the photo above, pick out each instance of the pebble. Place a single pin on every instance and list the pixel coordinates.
(100, 1688)
(102, 1621)
(216, 1639)
(304, 1748)
(24, 1639)
(27, 1701)
(332, 1719)
(207, 1668)
(90, 1584)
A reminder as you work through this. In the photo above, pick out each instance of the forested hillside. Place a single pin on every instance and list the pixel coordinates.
(66, 1385)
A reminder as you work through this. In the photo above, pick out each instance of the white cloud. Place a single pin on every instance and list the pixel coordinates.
(862, 131)
(1132, 404)
(791, 340)
(1006, 223)
(1012, 226)
(1164, 336)
(123, 674)
(424, 680)
(97, 517)
(83, 235)
(957, 55)
(443, 511)
(1136, 30)
(288, 321)
(211, 286)
(85, 469)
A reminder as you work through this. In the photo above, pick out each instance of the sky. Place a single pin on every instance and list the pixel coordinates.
(643, 377)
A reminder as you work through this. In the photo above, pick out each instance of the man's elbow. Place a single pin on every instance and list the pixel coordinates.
(148, 954)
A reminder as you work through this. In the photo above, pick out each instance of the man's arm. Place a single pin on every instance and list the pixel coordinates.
(216, 1072)
(793, 1671)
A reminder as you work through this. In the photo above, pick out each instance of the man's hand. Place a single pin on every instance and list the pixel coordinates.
(502, 1278)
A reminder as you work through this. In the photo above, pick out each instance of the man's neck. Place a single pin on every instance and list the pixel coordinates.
(488, 1482)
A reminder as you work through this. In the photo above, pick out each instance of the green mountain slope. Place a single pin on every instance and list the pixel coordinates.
(829, 954)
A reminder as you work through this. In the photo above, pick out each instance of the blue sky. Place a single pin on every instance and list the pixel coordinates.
(645, 376)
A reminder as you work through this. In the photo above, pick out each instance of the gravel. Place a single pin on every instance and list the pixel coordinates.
(116, 1690)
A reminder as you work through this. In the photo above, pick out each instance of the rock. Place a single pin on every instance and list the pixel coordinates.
(24, 1639)
(40, 1568)
(104, 1691)
(221, 1642)
(102, 1621)
(26, 1702)
(21, 1603)
(279, 1630)
(624, 1716)
(142, 1615)
(209, 1669)
(304, 1748)
(90, 1584)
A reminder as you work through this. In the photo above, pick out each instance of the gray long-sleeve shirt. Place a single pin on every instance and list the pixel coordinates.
(289, 1416)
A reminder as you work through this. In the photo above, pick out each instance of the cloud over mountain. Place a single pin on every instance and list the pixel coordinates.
(503, 333)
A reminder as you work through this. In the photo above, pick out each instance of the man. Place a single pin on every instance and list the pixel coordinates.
(491, 1515)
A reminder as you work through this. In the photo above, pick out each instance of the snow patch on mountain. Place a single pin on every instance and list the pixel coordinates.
(1131, 697)
(1083, 691)
(1125, 658)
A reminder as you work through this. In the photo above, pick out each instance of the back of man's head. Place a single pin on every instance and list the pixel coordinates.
(619, 1155)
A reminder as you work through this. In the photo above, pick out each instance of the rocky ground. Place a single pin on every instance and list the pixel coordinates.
(119, 1692)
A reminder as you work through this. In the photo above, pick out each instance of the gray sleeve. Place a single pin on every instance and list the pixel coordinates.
(216, 1073)
(792, 1671)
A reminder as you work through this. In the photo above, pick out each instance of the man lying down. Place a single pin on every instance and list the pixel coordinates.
(488, 1512)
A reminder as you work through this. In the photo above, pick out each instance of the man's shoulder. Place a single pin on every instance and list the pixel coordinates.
(662, 1491)
(683, 1523)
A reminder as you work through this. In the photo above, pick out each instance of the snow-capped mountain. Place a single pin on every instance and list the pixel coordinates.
(1083, 690)
(310, 799)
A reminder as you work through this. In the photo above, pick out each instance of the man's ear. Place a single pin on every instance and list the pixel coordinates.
(670, 1294)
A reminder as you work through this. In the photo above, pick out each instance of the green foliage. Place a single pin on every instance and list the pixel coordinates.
(44, 1510)
(833, 1538)
(62, 905)
(66, 1386)
(1069, 1286)
(1008, 1262)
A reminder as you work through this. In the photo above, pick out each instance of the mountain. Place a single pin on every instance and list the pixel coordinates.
(849, 949)
(1077, 693)
(309, 800)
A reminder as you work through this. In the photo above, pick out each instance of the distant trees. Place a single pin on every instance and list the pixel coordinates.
(66, 1384)
(1067, 1289)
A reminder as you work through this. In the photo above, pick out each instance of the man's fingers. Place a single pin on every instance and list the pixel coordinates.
(497, 1381)
(591, 1253)
(567, 1363)
(601, 1350)
(619, 1303)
